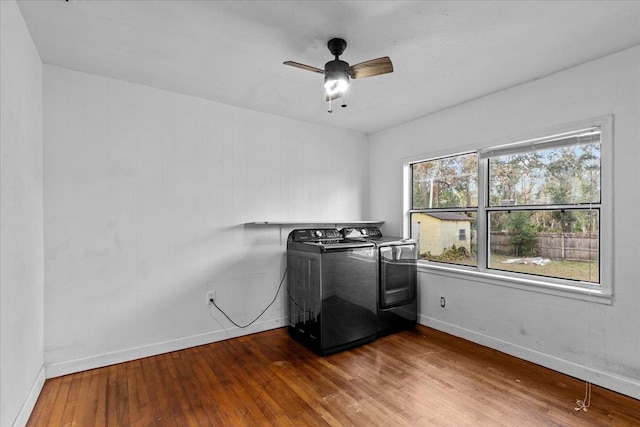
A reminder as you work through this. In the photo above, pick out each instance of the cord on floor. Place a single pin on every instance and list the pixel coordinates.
(584, 404)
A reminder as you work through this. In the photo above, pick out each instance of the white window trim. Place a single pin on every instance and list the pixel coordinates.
(602, 293)
(525, 284)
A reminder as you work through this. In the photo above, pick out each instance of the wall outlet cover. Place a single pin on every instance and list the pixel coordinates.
(211, 295)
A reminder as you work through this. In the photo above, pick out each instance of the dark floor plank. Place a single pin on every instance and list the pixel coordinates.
(418, 377)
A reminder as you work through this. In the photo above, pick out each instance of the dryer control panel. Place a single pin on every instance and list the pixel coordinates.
(353, 232)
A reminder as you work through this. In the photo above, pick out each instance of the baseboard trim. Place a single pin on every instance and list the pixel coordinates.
(56, 369)
(32, 398)
(626, 386)
(623, 385)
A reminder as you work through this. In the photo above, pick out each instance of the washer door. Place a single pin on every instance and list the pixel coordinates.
(398, 275)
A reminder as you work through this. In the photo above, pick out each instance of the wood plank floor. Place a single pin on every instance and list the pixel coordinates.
(415, 378)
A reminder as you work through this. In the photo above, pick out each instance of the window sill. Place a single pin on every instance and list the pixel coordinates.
(531, 285)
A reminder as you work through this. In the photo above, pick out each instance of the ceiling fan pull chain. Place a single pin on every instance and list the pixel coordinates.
(330, 109)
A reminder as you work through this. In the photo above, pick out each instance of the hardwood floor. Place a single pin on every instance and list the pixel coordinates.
(415, 378)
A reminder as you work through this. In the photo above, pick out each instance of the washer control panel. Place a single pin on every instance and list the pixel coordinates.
(314, 234)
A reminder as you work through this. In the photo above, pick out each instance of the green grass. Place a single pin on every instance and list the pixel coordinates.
(573, 270)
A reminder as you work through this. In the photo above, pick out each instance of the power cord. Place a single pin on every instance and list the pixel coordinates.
(584, 404)
(212, 301)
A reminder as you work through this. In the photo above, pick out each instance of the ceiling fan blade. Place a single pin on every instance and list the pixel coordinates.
(304, 67)
(373, 67)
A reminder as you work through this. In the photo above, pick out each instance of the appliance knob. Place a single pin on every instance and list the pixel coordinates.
(318, 233)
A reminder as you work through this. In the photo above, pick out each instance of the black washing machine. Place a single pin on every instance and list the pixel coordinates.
(331, 291)
(396, 278)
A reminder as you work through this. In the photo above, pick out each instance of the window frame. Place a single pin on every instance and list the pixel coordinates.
(598, 292)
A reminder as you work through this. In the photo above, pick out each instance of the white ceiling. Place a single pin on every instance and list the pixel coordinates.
(444, 53)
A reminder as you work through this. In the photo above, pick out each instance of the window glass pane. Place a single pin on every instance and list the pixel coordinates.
(446, 236)
(446, 183)
(553, 176)
(554, 243)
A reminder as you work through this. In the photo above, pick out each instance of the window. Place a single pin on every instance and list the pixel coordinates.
(444, 208)
(529, 211)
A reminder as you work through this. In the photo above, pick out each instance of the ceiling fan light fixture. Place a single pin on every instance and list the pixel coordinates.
(336, 81)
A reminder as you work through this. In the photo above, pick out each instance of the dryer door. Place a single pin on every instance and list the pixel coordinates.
(398, 275)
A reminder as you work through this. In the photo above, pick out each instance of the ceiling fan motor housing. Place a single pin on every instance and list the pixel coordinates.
(336, 70)
(336, 65)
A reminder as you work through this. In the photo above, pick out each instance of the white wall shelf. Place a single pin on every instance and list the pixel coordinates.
(294, 224)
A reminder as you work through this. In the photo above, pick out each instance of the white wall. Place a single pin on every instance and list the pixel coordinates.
(146, 193)
(21, 247)
(593, 341)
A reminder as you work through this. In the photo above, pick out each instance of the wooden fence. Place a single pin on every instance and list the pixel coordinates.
(556, 246)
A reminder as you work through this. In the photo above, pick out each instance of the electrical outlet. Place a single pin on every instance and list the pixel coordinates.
(211, 295)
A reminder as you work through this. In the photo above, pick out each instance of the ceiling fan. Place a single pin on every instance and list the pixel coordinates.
(337, 72)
